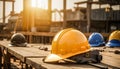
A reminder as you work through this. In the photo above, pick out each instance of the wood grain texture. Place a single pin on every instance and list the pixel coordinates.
(23, 52)
(37, 63)
(33, 56)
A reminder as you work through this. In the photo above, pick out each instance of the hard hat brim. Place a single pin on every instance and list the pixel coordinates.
(52, 58)
(113, 43)
(96, 45)
(55, 58)
(110, 44)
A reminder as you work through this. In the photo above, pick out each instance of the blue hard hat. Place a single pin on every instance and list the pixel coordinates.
(96, 39)
(113, 43)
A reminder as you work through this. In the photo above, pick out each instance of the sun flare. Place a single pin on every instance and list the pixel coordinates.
(40, 4)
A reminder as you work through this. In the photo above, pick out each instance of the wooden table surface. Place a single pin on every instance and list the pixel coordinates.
(111, 60)
(33, 56)
(37, 63)
(32, 50)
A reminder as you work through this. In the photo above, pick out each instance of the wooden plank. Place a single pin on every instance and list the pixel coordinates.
(4, 44)
(23, 52)
(112, 55)
(33, 56)
(37, 63)
(111, 60)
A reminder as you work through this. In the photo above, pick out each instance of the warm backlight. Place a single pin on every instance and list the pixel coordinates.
(40, 4)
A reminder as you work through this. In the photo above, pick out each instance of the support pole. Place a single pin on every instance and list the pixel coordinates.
(64, 10)
(13, 7)
(99, 6)
(88, 15)
(3, 11)
(49, 9)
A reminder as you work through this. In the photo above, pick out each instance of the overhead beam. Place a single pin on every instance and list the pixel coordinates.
(81, 2)
(99, 2)
(111, 2)
(8, 0)
(94, 2)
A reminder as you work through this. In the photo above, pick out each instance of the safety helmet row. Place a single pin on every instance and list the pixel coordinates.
(70, 42)
(96, 39)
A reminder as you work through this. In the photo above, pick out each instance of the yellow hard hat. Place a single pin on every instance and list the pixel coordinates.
(67, 43)
(114, 39)
(115, 35)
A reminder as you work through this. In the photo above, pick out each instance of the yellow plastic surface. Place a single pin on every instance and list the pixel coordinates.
(115, 35)
(69, 42)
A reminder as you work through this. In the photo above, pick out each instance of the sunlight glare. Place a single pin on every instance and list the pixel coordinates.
(40, 4)
(33, 3)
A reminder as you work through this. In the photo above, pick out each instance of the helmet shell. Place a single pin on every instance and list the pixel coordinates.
(114, 39)
(67, 43)
(18, 39)
(96, 39)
